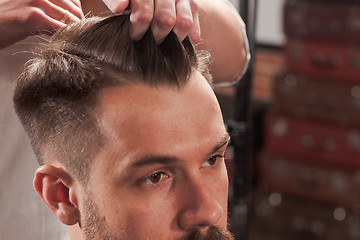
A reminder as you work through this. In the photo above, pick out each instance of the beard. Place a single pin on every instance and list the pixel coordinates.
(94, 227)
(213, 233)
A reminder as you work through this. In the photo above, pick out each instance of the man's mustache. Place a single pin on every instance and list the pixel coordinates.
(213, 233)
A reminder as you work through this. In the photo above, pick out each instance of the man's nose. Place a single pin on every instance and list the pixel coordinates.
(200, 206)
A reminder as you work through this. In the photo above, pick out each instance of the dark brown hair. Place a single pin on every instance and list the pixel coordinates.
(56, 95)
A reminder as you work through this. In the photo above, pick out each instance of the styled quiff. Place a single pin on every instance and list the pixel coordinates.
(56, 95)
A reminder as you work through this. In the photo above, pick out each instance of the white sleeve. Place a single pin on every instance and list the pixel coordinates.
(232, 4)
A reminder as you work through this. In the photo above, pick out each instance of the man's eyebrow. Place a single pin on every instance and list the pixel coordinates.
(222, 143)
(154, 159)
(166, 160)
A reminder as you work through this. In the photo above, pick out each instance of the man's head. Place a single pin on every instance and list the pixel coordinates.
(129, 134)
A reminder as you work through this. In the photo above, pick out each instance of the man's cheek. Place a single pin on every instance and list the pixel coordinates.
(149, 219)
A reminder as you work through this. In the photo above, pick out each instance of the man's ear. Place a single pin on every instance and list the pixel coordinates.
(55, 186)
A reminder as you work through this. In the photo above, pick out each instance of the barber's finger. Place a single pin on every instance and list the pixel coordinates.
(164, 19)
(116, 5)
(184, 18)
(77, 3)
(141, 16)
(42, 23)
(71, 6)
(58, 13)
(79, 9)
(195, 31)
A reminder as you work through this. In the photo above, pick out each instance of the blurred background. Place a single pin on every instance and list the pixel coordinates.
(294, 121)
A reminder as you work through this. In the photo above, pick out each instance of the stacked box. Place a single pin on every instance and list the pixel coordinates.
(284, 217)
(312, 133)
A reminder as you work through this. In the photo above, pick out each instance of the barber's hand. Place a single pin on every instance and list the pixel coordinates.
(21, 18)
(162, 15)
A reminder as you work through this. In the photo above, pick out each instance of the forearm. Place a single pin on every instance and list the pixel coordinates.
(222, 36)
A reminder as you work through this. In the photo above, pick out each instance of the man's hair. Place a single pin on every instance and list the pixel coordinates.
(56, 95)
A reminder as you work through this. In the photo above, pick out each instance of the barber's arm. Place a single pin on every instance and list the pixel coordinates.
(212, 24)
(221, 27)
(21, 18)
(223, 34)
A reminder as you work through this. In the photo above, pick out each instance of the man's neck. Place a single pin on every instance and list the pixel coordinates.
(75, 232)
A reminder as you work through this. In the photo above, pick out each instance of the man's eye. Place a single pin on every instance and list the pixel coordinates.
(155, 178)
(211, 161)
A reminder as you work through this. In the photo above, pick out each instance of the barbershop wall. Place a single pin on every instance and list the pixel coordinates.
(306, 120)
(306, 172)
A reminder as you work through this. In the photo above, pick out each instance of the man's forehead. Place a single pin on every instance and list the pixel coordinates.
(147, 95)
(150, 117)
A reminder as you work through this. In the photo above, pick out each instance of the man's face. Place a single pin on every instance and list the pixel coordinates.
(161, 174)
